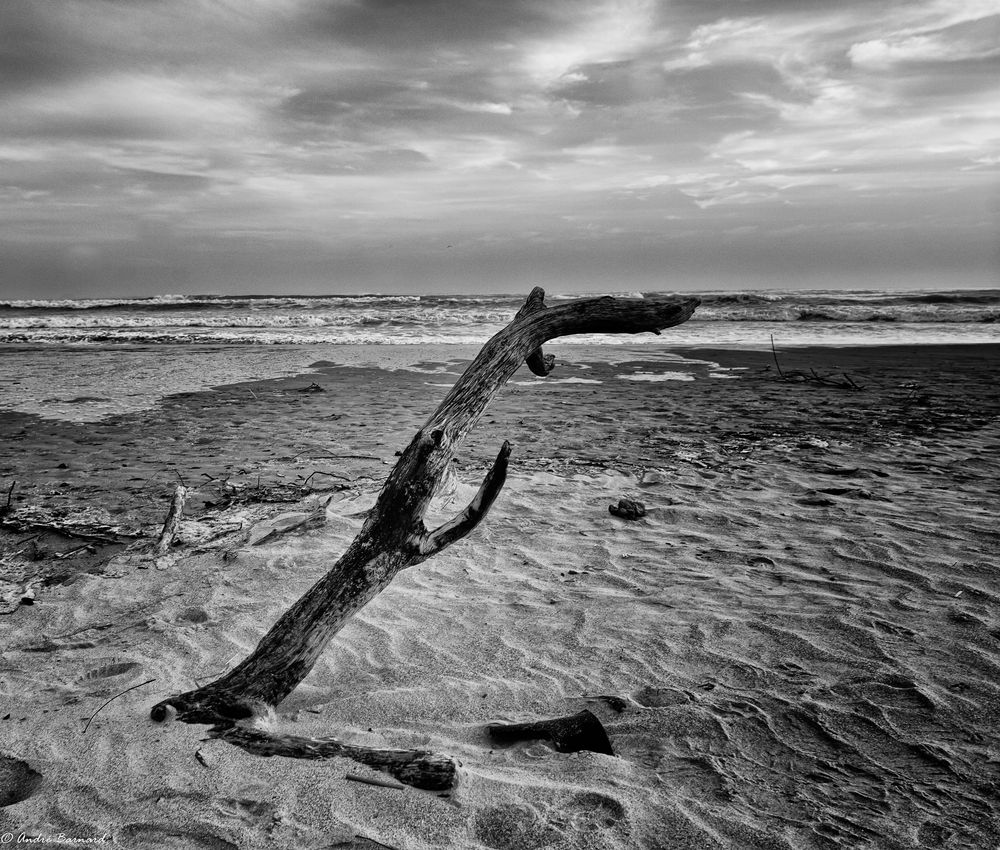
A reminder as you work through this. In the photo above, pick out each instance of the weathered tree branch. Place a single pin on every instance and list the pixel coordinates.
(432, 542)
(394, 535)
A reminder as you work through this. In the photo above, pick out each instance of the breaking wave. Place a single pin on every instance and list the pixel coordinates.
(375, 318)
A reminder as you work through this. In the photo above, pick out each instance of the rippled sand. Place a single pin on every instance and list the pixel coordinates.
(797, 647)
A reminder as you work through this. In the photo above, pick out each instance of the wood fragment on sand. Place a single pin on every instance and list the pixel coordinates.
(371, 780)
(569, 734)
(6, 508)
(172, 523)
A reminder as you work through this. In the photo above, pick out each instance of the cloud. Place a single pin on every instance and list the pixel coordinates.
(325, 129)
(975, 40)
(127, 106)
(417, 24)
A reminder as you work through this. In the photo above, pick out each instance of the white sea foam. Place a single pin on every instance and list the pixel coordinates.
(547, 382)
(656, 377)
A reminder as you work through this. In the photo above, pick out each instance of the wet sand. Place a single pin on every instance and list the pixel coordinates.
(798, 646)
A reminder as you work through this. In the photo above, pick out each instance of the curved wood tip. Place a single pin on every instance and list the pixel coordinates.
(540, 364)
(687, 307)
(533, 303)
(162, 712)
(670, 310)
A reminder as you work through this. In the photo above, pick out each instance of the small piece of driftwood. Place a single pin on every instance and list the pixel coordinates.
(628, 509)
(368, 780)
(5, 509)
(418, 768)
(172, 523)
(288, 523)
(570, 734)
(31, 519)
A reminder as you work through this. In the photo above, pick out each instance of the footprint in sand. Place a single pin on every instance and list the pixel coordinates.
(590, 810)
(515, 827)
(512, 827)
(195, 616)
(653, 697)
(109, 671)
(18, 780)
(254, 812)
(149, 835)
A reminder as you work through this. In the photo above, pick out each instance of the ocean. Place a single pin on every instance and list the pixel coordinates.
(88, 359)
(724, 318)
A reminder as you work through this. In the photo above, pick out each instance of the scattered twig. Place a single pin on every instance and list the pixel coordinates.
(367, 780)
(775, 353)
(99, 628)
(309, 477)
(800, 376)
(8, 559)
(69, 554)
(346, 457)
(92, 716)
(290, 522)
(373, 841)
(22, 524)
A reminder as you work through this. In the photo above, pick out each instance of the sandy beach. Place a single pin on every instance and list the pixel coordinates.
(797, 647)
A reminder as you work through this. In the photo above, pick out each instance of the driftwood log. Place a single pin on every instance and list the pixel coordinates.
(394, 535)
(570, 734)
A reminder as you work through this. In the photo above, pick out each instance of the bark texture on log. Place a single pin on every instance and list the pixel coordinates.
(394, 535)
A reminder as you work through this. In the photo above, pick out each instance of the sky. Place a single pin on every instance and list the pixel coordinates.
(311, 146)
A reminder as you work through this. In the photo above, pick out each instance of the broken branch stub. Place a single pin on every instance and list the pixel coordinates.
(172, 522)
(394, 535)
(570, 734)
